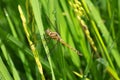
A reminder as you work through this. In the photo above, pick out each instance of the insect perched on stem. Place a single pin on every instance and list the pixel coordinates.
(55, 36)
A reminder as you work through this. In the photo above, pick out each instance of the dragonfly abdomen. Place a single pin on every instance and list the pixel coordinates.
(70, 47)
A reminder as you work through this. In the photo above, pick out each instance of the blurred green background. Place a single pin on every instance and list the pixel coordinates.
(90, 26)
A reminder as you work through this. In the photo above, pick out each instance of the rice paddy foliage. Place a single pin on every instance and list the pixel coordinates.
(89, 26)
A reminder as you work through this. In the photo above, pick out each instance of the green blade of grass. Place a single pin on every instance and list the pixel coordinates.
(4, 74)
(108, 68)
(96, 16)
(37, 13)
(21, 54)
(10, 39)
(73, 31)
(10, 62)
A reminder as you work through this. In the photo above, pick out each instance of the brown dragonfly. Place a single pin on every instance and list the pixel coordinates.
(55, 36)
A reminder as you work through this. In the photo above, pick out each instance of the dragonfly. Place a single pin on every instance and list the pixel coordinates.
(56, 36)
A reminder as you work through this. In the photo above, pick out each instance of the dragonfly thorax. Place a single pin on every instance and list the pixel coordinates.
(53, 35)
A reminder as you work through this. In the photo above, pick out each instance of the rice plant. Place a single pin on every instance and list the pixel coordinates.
(59, 39)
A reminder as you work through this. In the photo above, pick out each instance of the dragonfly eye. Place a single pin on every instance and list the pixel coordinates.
(56, 35)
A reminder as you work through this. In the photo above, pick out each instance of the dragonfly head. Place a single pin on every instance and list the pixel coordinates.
(48, 31)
